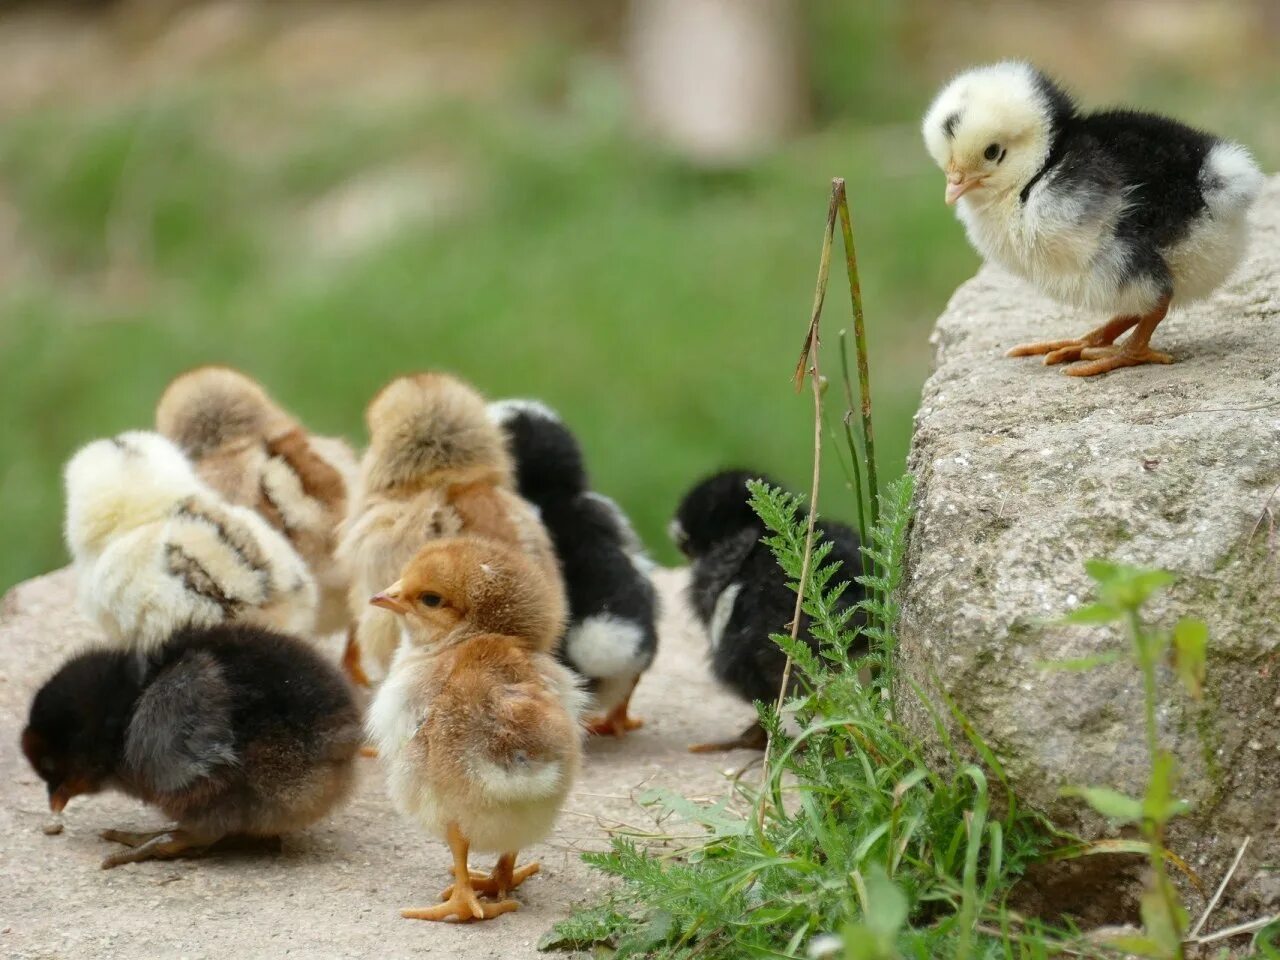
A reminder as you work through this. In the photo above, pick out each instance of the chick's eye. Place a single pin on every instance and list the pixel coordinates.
(431, 599)
(992, 151)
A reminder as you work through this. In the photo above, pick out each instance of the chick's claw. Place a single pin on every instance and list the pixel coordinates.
(1045, 347)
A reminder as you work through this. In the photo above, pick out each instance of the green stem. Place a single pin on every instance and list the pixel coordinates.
(860, 340)
(858, 493)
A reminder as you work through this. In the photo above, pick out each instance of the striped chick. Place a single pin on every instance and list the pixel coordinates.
(254, 453)
(156, 548)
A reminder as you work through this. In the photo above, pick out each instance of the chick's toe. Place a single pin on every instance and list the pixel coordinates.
(462, 905)
(502, 880)
(165, 845)
(1106, 359)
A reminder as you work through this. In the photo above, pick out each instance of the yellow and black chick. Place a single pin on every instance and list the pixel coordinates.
(256, 454)
(738, 592)
(436, 467)
(229, 730)
(612, 635)
(156, 548)
(1118, 212)
(477, 722)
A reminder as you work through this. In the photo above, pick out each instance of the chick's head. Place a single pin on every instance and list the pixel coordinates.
(75, 732)
(469, 585)
(117, 484)
(991, 129)
(548, 460)
(426, 424)
(715, 508)
(205, 408)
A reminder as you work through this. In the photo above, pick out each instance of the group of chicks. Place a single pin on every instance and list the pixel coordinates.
(490, 596)
(497, 605)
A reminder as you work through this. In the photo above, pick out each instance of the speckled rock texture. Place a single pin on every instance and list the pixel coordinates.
(334, 890)
(1024, 473)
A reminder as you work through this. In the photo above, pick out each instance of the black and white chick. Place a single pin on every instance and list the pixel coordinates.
(612, 634)
(1117, 212)
(738, 592)
(230, 731)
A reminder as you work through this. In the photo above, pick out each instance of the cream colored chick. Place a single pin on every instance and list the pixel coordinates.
(1114, 211)
(254, 453)
(156, 548)
(477, 722)
(436, 467)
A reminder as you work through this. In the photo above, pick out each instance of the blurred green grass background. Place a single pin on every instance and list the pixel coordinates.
(325, 236)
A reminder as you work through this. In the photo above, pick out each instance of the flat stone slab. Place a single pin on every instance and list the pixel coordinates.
(334, 890)
(1023, 474)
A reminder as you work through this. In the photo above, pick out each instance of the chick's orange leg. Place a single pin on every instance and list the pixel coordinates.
(752, 738)
(461, 901)
(159, 845)
(1060, 351)
(503, 879)
(617, 721)
(1134, 352)
(351, 659)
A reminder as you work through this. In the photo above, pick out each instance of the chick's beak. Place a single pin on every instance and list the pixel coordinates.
(60, 796)
(390, 599)
(958, 184)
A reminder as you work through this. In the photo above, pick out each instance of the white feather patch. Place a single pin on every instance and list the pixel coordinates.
(502, 411)
(523, 779)
(722, 612)
(605, 646)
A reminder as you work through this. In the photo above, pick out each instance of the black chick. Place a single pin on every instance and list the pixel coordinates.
(613, 608)
(230, 730)
(738, 592)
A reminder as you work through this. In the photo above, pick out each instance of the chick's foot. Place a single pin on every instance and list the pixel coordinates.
(460, 900)
(504, 878)
(160, 845)
(1105, 359)
(752, 738)
(463, 905)
(617, 721)
(1061, 351)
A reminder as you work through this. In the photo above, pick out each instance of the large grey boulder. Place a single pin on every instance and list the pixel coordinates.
(1023, 474)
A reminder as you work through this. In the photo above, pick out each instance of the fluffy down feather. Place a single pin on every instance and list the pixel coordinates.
(435, 467)
(254, 453)
(156, 549)
(477, 723)
(736, 589)
(612, 636)
(230, 730)
(1115, 211)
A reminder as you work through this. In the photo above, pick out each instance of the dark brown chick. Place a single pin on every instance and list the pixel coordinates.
(436, 467)
(229, 730)
(257, 455)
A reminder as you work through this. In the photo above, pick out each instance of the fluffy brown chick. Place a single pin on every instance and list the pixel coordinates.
(253, 452)
(477, 722)
(436, 467)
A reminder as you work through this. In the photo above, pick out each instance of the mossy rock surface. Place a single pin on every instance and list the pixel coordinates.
(1023, 474)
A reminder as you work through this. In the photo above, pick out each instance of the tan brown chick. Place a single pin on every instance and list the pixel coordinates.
(257, 455)
(436, 467)
(477, 723)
